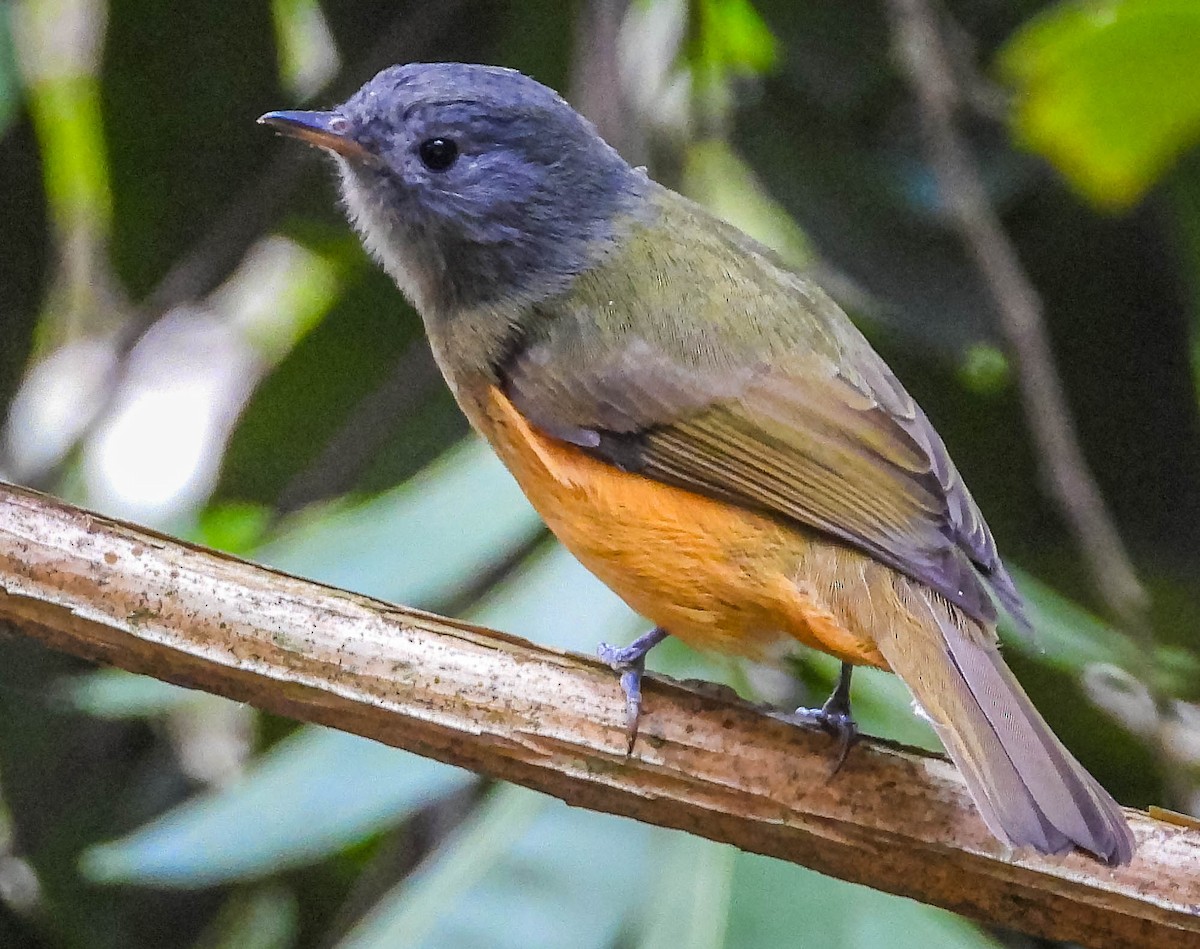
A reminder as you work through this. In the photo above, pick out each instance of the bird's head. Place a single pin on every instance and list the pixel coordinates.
(472, 184)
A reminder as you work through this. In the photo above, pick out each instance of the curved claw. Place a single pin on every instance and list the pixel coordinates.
(834, 718)
(630, 662)
(840, 726)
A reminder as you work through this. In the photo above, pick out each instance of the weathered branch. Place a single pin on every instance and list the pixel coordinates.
(892, 818)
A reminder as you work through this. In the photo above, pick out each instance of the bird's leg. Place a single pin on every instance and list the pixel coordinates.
(630, 662)
(834, 716)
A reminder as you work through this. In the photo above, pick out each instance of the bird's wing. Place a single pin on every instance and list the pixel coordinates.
(801, 438)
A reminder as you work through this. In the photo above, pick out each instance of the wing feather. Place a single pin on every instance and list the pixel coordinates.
(758, 390)
(799, 442)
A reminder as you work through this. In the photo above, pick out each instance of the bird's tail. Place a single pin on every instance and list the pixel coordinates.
(1027, 786)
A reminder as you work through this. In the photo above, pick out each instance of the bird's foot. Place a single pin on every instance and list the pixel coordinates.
(630, 662)
(834, 718)
(838, 725)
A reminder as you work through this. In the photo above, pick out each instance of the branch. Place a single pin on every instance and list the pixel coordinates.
(919, 46)
(892, 818)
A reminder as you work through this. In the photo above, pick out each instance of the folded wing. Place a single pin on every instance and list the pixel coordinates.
(851, 456)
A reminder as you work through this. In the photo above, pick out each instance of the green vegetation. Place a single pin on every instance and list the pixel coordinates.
(191, 338)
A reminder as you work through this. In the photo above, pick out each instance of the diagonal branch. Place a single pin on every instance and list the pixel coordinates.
(892, 818)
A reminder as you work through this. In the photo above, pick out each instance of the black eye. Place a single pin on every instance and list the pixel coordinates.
(438, 154)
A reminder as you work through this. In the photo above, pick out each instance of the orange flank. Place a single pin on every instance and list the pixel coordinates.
(715, 575)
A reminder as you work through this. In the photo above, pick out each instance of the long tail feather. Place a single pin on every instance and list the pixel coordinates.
(1028, 787)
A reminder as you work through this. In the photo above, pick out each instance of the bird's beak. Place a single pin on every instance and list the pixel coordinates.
(323, 129)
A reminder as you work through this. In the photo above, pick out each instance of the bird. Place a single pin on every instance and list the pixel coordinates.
(703, 428)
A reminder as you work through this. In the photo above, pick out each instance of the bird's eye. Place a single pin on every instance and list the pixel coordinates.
(438, 154)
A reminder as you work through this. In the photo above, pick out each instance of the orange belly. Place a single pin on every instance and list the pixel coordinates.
(715, 575)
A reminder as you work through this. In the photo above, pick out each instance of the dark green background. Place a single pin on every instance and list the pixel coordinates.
(344, 463)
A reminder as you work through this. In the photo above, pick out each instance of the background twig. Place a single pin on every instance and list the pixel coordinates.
(243, 220)
(892, 818)
(922, 52)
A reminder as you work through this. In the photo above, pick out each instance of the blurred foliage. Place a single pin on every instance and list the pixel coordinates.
(193, 338)
(1109, 92)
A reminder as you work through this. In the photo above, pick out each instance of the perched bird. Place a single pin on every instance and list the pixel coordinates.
(704, 429)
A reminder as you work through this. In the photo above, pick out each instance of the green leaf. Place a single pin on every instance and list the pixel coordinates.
(689, 904)
(524, 872)
(777, 905)
(985, 369)
(10, 90)
(116, 694)
(407, 917)
(266, 918)
(331, 383)
(67, 116)
(1065, 635)
(315, 793)
(308, 56)
(233, 527)
(421, 543)
(735, 37)
(1109, 92)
